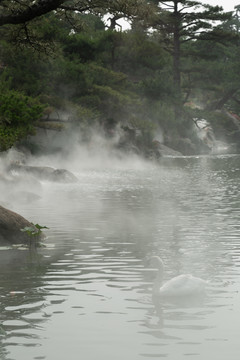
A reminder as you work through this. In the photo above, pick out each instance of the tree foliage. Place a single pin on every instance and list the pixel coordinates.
(19, 12)
(181, 21)
(17, 116)
(72, 56)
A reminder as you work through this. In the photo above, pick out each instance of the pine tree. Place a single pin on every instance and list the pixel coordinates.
(181, 21)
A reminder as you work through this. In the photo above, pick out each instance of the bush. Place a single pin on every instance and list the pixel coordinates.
(17, 116)
(17, 109)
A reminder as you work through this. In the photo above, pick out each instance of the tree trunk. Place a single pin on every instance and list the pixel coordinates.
(176, 51)
(176, 59)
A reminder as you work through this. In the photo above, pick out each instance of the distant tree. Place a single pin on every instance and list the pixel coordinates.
(180, 21)
(221, 81)
(24, 19)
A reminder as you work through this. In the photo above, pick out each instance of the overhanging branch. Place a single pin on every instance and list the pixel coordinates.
(37, 9)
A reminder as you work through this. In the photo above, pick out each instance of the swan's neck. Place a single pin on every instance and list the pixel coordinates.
(158, 281)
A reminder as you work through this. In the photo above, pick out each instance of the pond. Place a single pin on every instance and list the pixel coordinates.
(88, 293)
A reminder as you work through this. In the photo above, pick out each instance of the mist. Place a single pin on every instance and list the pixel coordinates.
(120, 150)
(18, 184)
(76, 154)
(122, 210)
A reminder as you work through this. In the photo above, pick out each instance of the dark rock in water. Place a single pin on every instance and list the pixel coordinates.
(186, 146)
(63, 175)
(167, 151)
(11, 224)
(46, 173)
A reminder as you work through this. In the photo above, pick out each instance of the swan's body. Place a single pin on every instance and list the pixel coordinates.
(180, 286)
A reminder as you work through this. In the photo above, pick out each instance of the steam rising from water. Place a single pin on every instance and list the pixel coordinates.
(102, 227)
(65, 150)
(77, 153)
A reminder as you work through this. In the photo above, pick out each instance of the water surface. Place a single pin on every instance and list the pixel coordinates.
(89, 291)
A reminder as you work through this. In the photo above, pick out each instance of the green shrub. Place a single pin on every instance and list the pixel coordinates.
(17, 109)
(18, 113)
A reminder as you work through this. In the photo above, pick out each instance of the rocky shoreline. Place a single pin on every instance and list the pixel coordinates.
(20, 179)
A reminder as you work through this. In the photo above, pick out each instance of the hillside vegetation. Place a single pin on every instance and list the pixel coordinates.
(174, 63)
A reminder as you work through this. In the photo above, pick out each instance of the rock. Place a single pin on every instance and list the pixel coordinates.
(63, 175)
(186, 146)
(11, 224)
(45, 173)
(167, 151)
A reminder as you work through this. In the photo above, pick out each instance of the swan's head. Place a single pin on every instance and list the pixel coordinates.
(156, 263)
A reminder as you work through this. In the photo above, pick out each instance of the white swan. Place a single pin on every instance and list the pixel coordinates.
(180, 286)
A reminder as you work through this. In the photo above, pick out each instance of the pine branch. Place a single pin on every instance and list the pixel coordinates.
(34, 10)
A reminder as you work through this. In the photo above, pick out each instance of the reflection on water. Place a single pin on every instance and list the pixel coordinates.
(89, 291)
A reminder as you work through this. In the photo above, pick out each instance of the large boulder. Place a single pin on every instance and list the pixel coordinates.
(46, 173)
(11, 224)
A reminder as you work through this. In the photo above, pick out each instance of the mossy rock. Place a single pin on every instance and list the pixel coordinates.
(11, 226)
